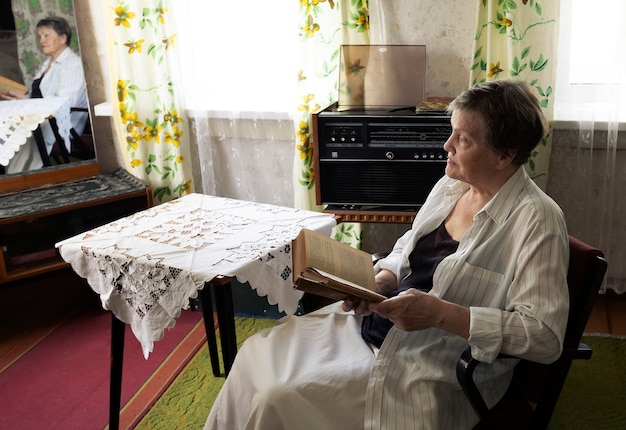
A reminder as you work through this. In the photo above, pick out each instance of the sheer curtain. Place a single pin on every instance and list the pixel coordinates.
(245, 155)
(253, 77)
(587, 174)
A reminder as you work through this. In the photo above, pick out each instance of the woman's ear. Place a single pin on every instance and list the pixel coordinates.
(506, 159)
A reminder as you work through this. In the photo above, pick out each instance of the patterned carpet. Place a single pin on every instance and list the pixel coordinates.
(187, 402)
(591, 399)
(594, 392)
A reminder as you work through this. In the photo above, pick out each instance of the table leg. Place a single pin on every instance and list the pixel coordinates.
(118, 329)
(226, 322)
(209, 327)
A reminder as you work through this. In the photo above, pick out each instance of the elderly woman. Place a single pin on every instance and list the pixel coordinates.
(484, 265)
(61, 75)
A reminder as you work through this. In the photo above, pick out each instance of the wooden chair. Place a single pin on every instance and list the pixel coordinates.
(532, 396)
(81, 148)
(59, 145)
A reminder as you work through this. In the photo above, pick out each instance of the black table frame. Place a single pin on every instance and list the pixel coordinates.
(222, 293)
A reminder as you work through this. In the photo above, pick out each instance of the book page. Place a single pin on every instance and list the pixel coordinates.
(346, 286)
(326, 254)
(314, 282)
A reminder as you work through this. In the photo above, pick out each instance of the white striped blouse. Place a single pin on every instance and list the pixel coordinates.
(510, 269)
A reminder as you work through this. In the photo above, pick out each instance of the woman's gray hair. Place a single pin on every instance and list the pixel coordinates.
(512, 115)
(59, 25)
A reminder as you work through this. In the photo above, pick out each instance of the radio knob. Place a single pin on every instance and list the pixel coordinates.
(389, 155)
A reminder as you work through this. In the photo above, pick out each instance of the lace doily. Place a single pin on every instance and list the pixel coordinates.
(145, 267)
(19, 118)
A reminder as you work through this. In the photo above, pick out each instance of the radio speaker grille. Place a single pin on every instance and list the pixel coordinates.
(375, 182)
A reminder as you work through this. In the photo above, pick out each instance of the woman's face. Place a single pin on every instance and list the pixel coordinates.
(469, 158)
(52, 44)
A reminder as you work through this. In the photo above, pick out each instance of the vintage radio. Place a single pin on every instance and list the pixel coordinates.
(389, 157)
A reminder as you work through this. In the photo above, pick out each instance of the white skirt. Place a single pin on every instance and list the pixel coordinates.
(307, 372)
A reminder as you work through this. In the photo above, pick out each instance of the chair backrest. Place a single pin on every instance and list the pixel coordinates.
(541, 384)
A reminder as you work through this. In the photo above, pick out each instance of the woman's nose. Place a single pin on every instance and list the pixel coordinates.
(447, 146)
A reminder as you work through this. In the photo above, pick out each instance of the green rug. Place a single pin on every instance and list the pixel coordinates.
(591, 399)
(594, 392)
(187, 402)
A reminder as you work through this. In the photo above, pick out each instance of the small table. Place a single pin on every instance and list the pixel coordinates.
(145, 267)
(19, 118)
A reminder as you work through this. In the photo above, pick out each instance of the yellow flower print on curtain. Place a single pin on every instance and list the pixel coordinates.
(518, 39)
(324, 27)
(150, 125)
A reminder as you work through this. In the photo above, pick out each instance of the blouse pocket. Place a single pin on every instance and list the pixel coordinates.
(477, 286)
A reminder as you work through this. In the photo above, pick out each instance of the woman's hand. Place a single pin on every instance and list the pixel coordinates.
(416, 310)
(359, 306)
(386, 283)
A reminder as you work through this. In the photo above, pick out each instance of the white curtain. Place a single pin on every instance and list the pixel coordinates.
(247, 156)
(588, 178)
(587, 169)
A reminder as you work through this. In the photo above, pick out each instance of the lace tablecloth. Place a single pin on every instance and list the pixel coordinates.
(19, 118)
(145, 267)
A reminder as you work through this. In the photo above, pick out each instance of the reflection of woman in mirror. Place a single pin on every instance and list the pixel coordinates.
(61, 75)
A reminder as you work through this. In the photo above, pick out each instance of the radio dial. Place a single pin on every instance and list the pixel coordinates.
(389, 155)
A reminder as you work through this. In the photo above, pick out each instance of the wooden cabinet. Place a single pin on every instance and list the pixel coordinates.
(32, 221)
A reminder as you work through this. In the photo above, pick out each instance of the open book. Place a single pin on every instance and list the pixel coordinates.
(7, 85)
(326, 267)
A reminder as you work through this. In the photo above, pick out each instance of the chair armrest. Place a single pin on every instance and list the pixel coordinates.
(583, 352)
(465, 367)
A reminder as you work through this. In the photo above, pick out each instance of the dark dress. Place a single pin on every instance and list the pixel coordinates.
(428, 253)
(35, 91)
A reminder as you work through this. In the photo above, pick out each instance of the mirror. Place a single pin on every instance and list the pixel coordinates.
(20, 59)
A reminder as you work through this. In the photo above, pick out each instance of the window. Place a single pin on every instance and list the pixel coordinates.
(591, 75)
(240, 55)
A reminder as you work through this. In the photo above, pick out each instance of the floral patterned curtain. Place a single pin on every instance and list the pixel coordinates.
(324, 26)
(518, 39)
(150, 120)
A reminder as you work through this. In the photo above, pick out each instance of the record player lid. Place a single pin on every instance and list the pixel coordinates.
(379, 76)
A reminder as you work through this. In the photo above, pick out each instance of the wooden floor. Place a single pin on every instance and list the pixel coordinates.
(609, 315)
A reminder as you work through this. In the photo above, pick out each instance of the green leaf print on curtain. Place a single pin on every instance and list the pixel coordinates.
(517, 39)
(150, 123)
(324, 27)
